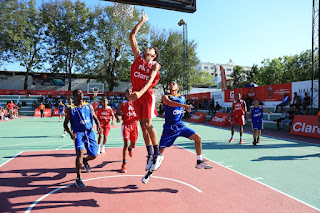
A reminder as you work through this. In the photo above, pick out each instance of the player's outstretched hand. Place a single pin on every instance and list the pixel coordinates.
(144, 17)
(188, 108)
(134, 96)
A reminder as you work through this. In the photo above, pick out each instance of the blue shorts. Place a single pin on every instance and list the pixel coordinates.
(61, 112)
(256, 124)
(172, 131)
(86, 140)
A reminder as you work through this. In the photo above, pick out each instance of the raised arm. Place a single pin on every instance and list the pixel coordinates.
(166, 101)
(133, 41)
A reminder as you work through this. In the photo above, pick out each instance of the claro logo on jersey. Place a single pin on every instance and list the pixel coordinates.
(85, 121)
(303, 127)
(129, 114)
(141, 76)
(178, 112)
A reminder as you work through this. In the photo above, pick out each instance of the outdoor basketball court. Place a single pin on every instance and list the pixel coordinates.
(37, 173)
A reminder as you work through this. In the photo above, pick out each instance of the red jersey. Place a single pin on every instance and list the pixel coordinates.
(129, 116)
(140, 72)
(238, 108)
(104, 115)
(10, 106)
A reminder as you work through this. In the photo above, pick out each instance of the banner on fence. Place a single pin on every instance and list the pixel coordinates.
(220, 119)
(198, 117)
(304, 125)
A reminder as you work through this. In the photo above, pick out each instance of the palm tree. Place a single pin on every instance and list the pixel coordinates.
(237, 76)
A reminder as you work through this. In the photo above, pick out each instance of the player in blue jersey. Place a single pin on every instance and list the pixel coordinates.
(81, 116)
(174, 106)
(61, 111)
(256, 115)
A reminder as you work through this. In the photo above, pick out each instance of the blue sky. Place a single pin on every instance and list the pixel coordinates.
(246, 31)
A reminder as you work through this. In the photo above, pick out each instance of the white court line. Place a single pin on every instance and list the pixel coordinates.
(228, 166)
(258, 178)
(64, 145)
(33, 143)
(259, 182)
(11, 158)
(115, 176)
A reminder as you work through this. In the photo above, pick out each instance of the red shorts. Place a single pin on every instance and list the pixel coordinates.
(238, 120)
(145, 106)
(105, 129)
(130, 132)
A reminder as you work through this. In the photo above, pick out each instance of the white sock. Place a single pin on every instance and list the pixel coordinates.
(199, 157)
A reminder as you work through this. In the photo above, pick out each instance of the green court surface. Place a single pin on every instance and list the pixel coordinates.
(290, 167)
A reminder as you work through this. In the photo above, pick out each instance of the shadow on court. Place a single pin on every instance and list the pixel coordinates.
(289, 157)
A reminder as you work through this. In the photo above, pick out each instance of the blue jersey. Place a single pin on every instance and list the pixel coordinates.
(257, 113)
(81, 118)
(61, 107)
(174, 114)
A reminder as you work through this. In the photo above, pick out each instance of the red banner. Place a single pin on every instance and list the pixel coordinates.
(198, 117)
(198, 96)
(46, 112)
(220, 119)
(264, 93)
(305, 125)
(55, 112)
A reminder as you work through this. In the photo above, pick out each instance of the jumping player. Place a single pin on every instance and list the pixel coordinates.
(81, 116)
(256, 114)
(174, 106)
(144, 76)
(68, 106)
(104, 114)
(61, 111)
(238, 111)
(129, 127)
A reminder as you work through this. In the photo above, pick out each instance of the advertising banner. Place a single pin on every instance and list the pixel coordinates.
(303, 87)
(218, 97)
(220, 119)
(198, 117)
(46, 112)
(199, 96)
(304, 125)
(55, 112)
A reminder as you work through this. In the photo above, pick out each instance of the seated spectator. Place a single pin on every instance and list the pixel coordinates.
(296, 101)
(248, 100)
(28, 95)
(34, 105)
(306, 101)
(220, 110)
(211, 106)
(217, 106)
(17, 111)
(285, 101)
(11, 106)
(289, 118)
(282, 117)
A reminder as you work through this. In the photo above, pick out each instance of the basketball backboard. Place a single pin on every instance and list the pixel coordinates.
(188, 6)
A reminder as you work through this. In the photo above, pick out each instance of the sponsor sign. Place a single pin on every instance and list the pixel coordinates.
(220, 119)
(304, 125)
(46, 112)
(218, 97)
(198, 117)
(199, 96)
(56, 112)
(303, 87)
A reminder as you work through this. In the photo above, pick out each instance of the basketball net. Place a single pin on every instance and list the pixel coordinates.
(123, 11)
(95, 94)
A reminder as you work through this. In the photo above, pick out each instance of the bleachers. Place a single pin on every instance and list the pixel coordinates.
(24, 110)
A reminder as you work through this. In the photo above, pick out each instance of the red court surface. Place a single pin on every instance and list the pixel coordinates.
(28, 181)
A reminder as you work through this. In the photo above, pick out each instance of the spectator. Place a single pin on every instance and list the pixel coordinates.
(2, 114)
(289, 118)
(296, 101)
(282, 117)
(17, 110)
(34, 105)
(41, 107)
(218, 106)
(306, 101)
(248, 101)
(28, 95)
(211, 106)
(11, 106)
(285, 101)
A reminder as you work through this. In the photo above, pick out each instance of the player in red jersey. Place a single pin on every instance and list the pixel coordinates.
(104, 114)
(238, 111)
(129, 127)
(144, 76)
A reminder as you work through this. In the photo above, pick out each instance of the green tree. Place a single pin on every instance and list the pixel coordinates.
(24, 35)
(202, 78)
(68, 29)
(111, 51)
(237, 76)
(170, 44)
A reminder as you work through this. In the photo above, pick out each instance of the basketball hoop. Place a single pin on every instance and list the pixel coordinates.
(95, 94)
(124, 11)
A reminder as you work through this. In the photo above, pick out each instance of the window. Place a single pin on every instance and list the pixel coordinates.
(228, 69)
(205, 67)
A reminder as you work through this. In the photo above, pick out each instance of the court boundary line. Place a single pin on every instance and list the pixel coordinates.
(97, 178)
(11, 159)
(283, 193)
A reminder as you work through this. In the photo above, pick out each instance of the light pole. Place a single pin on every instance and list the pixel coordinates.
(184, 25)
